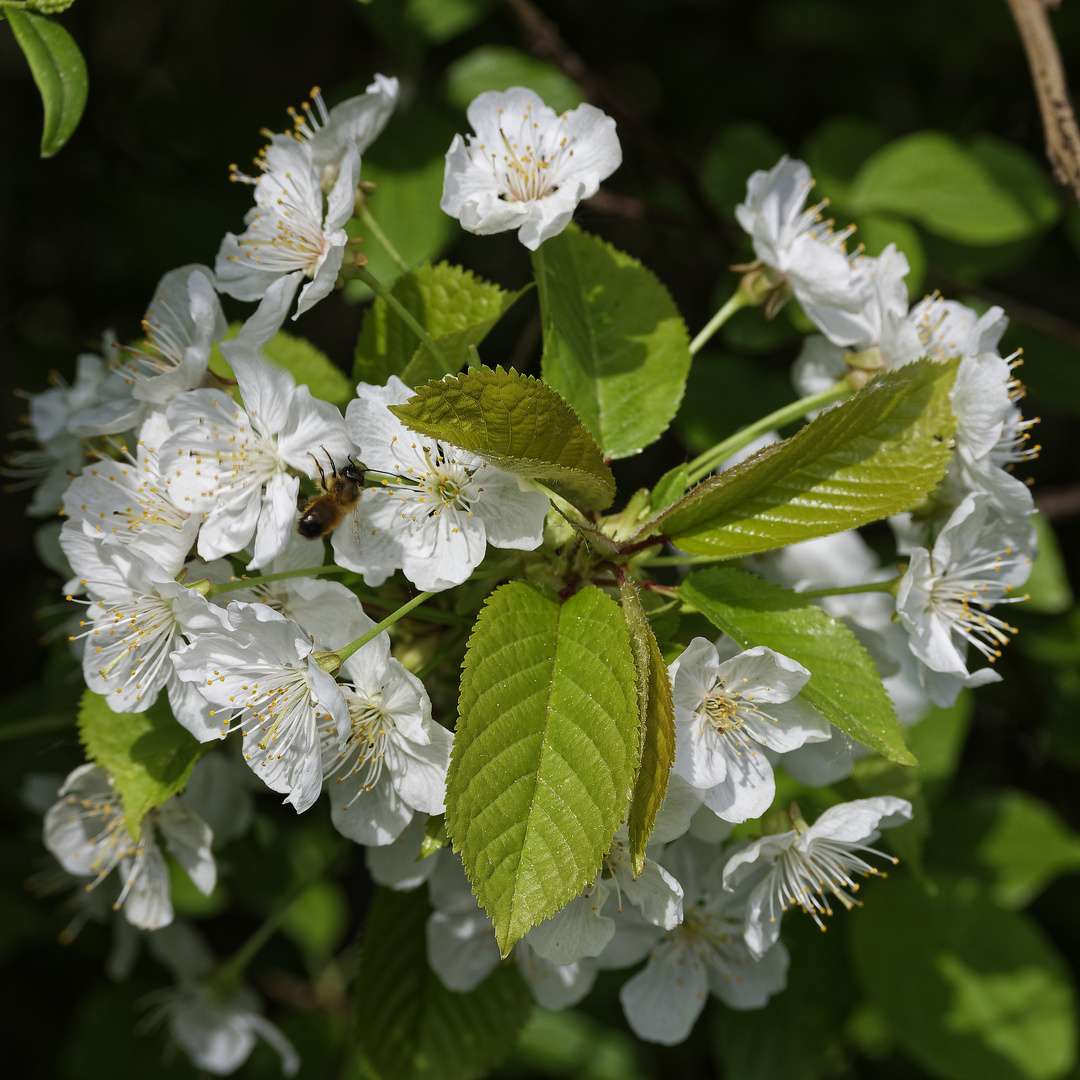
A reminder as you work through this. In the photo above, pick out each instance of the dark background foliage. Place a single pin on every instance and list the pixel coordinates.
(179, 91)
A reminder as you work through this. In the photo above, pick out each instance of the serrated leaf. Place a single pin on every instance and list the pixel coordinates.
(308, 364)
(58, 69)
(876, 454)
(844, 683)
(455, 307)
(148, 754)
(409, 1026)
(545, 753)
(517, 423)
(615, 345)
(657, 718)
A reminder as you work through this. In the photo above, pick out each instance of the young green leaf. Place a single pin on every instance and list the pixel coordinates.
(657, 718)
(409, 1026)
(615, 344)
(58, 69)
(148, 754)
(517, 423)
(876, 454)
(546, 750)
(455, 307)
(844, 683)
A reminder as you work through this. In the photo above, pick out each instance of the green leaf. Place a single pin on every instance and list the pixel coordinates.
(517, 423)
(844, 683)
(1048, 590)
(990, 194)
(317, 920)
(877, 231)
(308, 364)
(876, 454)
(835, 151)
(148, 754)
(409, 1026)
(441, 20)
(58, 69)
(455, 307)
(545, 753)
(498, 67)
(669, 488)
(615, 345)
(1011, 840)
(937, 740)
(657, 720)
(970, 991)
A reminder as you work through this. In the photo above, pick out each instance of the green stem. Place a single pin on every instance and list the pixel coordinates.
(389, 621)
(850, 590)
(264, 579)
(40, 725)
(381, 291)
(737, 302)
(372, 227)
(704, 463)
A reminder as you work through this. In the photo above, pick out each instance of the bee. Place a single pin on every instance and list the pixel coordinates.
(341, 493)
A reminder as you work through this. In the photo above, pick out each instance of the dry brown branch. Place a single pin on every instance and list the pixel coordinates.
(1048, 75)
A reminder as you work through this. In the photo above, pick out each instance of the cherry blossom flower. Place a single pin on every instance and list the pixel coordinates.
(127, 499)
(436, 521)
(137, 614)
(288, 236)
(794, 242)
(87, 832)
(705, 954)
(944, 596)
(526, 168)
(262, 678)
(726, 712)
(808, 864)
(393, 760)
(233, 466)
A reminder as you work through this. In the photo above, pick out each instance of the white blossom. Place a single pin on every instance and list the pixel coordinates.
(436, 521)
(725, 713)
(357, 120)
(232, 464)
(705, 954)
(136, 615)
(526, 167)
(394, 757)
(261, 678)
(127, 499)
(944, 596)
(795, 242)
(808, 864)
(87, 831)
(288, 236)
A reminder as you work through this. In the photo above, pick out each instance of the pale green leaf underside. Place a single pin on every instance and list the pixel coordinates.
(455, 307)
(518, 424)
(615, 345)
(148, 754)
(410, 1027)
(844, 683)
(876, 454)
(657, 717)
(545, 752)
(58, 69)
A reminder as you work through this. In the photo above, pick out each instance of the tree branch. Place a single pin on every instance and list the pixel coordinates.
(1048, 75)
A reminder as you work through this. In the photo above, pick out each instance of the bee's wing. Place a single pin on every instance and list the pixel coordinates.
(358, 528)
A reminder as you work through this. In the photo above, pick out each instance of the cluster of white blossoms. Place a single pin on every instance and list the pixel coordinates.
(970, 546)
(174, 480)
